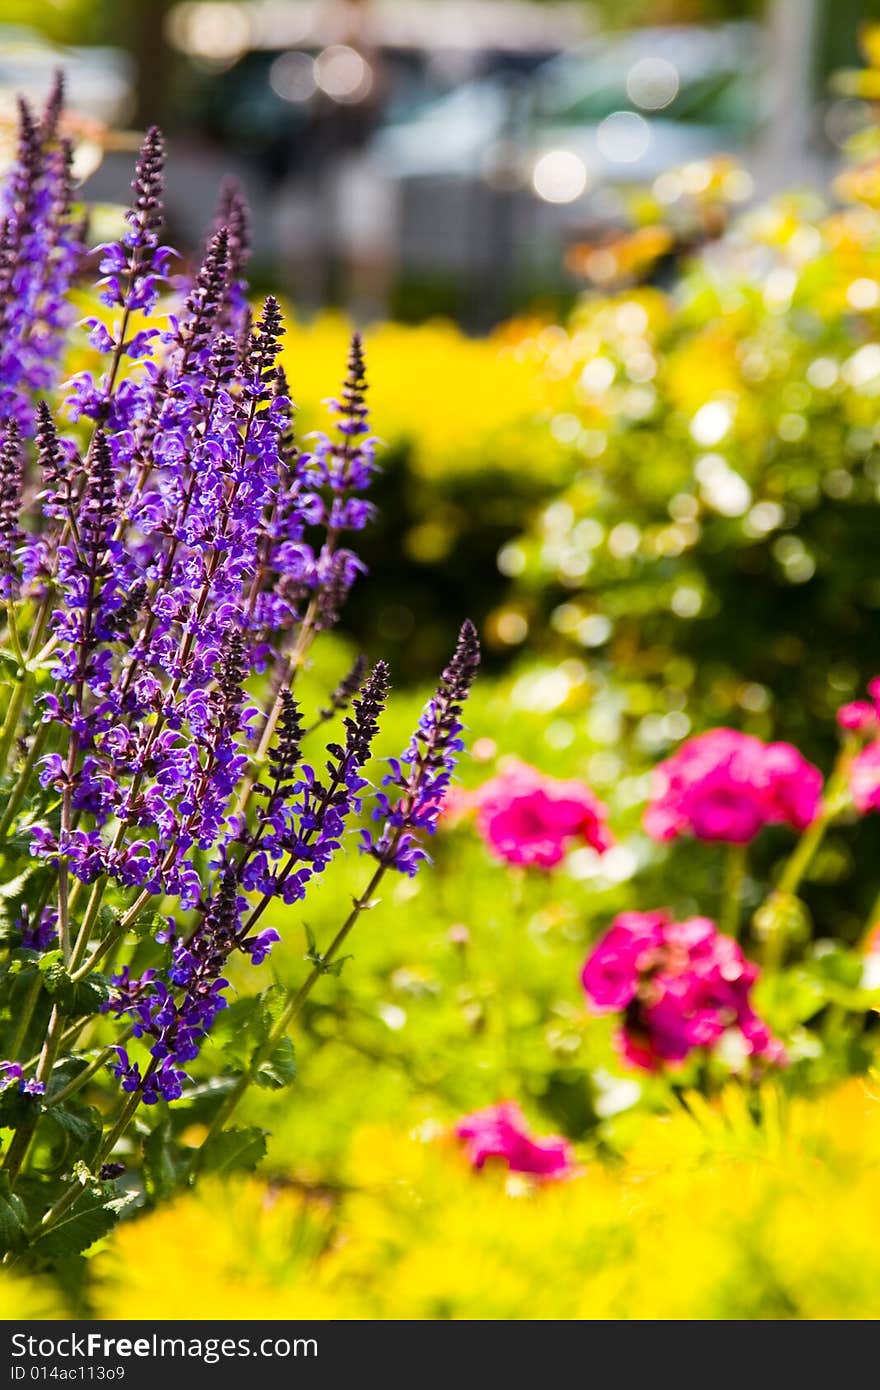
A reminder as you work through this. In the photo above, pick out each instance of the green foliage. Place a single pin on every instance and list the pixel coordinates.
(76, 997)
(233, 1150)
(278, 1069)
(90, 1218)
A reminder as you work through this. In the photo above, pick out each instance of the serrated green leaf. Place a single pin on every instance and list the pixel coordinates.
(272, 1002)
(87, 1221)
(234, 1150)
(278, 1069)
(146, 924)
(76, 997)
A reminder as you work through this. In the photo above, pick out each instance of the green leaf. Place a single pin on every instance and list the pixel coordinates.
(12, 1219)
(278, 1069)
(200, 1104)
(65, 1070)
(12, 888)
(146, 924)
(234, 1150)
(16, 1108)
(81, 1128)
(87, 1221)
(162, 1167)
(76, 997)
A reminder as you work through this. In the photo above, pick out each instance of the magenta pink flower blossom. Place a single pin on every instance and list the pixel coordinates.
(501, 1131)
(678, 986)
(530, 819)
(725, 785)
(864, 778)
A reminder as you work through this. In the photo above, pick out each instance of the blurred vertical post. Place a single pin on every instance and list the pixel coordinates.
(808, 39)
(353, 198)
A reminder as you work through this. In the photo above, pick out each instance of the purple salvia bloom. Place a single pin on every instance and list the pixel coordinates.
(334, 473)
(39, 936)
(12, 1073)
(40, 249)
(132, 273)
(419, 780)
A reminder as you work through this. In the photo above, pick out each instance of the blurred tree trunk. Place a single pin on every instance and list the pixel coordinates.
(139, 27)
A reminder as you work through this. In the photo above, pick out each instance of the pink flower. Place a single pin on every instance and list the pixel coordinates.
(529, 819)
(725, 785)
(864, 778)
(678, 986)
(611, 974)
(858, 717)
(501, 1131)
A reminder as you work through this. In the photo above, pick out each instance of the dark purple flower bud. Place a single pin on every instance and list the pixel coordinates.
(233, 214)
(203, 303)
(11, 471)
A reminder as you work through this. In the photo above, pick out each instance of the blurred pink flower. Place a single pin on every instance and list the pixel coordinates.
(864, 778)
(457, 803)
(725, 785)
(611, 974)
(858, 717)
(501, 1131)
(678, 986)
(530, 819)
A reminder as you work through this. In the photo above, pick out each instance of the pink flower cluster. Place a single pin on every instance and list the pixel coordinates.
(678, 985)
(530, 819)
(501, 1131)
(725, 785)
(862, 717)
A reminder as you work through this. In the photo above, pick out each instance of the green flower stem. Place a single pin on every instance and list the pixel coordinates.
(21, 1140)
(93, 907)
(103, 1057)
(833, 802)
(13, 716)
(13, 633)
(774, 907)
(289, 1013)
(66, 1037)
(23, 687)
(511, 979)
(731, 889)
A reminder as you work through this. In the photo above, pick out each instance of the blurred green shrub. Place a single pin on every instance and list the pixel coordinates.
(717, 546)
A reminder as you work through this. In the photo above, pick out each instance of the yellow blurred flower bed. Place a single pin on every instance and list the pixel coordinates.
(459, 403)
(712, 1216)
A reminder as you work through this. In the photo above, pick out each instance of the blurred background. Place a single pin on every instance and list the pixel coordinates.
(618, 262)
(410, 157)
